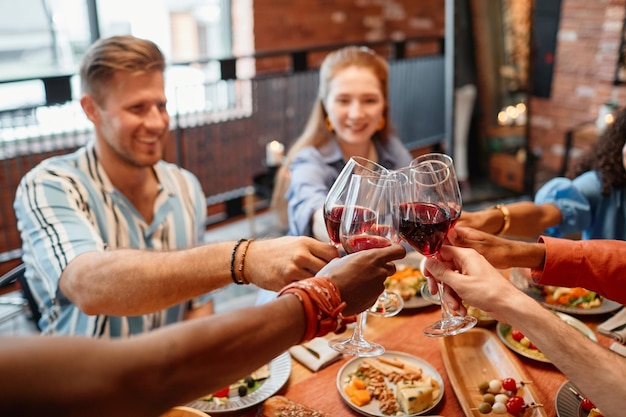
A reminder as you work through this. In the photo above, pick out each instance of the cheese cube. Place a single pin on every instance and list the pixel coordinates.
(414, 396)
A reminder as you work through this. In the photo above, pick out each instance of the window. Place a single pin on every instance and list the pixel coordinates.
(47, 38)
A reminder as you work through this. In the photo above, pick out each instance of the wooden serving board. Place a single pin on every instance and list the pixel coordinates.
(475, 356)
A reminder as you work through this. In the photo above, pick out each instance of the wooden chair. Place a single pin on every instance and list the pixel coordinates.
(182, 411)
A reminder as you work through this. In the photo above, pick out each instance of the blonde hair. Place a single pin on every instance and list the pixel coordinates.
(107, 56)
(316, 132)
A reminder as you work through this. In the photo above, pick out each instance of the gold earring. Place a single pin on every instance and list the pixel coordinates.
(381, 124)
(329, 125)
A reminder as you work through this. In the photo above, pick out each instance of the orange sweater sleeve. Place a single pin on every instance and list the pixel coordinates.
(597, 265)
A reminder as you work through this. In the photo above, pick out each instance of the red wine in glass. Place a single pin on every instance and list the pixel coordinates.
(454, 216)
(363, 220)
(332, 218)
(423, 226)
(352, 244)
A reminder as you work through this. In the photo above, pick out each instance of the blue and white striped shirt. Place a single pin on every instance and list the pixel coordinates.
(67, 206)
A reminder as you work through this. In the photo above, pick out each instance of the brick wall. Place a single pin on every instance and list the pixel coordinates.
(311, 23)
(587, 51)
(306, 23)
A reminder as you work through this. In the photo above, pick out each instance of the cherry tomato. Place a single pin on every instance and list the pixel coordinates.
(587, 405)
(509, 384)
(515, 405)
(222, 392)
(516, 335)
(532, 346)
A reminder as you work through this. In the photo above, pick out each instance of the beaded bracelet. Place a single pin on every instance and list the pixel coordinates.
(232, 262)
(244, 251)
(322, 306)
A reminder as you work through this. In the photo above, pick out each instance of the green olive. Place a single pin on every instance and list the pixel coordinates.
(483, 387)
(489, 398)
(484, 408)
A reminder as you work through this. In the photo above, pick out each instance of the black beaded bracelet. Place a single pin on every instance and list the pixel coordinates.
(232, 262)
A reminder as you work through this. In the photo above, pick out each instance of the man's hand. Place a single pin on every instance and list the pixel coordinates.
(274, 263)
(361, 275)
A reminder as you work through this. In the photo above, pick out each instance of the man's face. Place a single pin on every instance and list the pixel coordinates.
(132, 123)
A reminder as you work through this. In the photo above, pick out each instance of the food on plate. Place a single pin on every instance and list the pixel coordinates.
(357, 391)
(576, 297)
(594, 412)
(398, 386)
(279, 406)
(586, 404)
(240, 388)
(484, 319)
(500, 397)
(517, 339)
(406, 281)
(414, 396)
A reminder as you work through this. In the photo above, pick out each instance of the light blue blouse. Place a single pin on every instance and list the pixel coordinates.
(312, 172)
(584, 208)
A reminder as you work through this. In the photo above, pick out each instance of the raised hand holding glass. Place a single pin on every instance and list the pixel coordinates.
(388, 304)
(367, 222)
(425, 218)
(336, 197)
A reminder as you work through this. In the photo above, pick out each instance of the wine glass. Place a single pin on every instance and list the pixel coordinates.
(424, 223)
(451, 189)
(336, 197)
(367, 222)
(389, 303)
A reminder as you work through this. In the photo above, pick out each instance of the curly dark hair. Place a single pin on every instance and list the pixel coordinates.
(605, 157)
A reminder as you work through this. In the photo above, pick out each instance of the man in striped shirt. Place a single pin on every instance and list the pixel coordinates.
(111, 233)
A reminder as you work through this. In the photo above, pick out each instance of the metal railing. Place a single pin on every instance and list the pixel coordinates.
(222, 138)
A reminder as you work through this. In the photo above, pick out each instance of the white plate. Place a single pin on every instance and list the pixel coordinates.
(413, 259)
(520, 277)
(607, 305)
(280, 369)
(503, 331)
(372, 409)
(567, 404)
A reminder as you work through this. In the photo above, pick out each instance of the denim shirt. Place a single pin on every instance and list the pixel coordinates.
(584, 208)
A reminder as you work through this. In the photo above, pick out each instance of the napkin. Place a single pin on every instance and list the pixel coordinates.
(315, 354)
(615, 327)
(617, 348)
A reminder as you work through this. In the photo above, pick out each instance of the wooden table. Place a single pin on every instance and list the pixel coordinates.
(404, 333)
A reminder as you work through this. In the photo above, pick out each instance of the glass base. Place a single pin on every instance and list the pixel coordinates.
(450, 326)
(387, 305)
(355, 347)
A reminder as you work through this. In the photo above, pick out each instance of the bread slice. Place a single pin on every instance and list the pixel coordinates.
(279, 406)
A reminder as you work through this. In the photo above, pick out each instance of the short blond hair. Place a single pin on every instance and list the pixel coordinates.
(107, 56)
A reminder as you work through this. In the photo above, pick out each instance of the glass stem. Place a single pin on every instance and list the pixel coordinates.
(445, 310)
(358, 328)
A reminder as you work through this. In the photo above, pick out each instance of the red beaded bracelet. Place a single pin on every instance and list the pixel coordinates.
(322, 306)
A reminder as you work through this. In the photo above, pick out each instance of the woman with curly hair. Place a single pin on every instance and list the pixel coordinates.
(593, 203)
